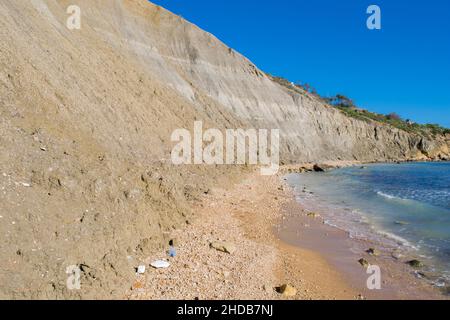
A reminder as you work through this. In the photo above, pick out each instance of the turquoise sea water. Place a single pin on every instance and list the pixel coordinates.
(407, 205)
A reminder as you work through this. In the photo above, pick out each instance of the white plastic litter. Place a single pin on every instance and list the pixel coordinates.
(160, 264)
(141, 269)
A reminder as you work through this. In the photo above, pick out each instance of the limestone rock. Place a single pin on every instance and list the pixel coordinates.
(287, 290)
(415, 263)
(397, 255)
(373, 252)
(223, 246)
(364, 262)
(318, 168)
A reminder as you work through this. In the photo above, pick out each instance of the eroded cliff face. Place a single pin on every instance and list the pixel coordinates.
(85, 126)
(197, 65)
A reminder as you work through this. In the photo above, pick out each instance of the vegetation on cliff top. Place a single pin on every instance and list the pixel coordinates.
(348, 107)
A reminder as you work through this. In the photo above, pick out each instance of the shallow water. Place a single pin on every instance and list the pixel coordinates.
(405, 205)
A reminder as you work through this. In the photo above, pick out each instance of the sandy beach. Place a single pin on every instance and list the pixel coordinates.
(272, 241)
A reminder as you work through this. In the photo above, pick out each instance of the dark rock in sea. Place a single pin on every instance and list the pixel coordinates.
(312, 215)
(427, 275)
(318, 168)
(364, 262)
(397, 255)
(415, 263)
(373, 252)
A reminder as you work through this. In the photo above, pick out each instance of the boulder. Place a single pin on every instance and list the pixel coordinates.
(397, 255)
(427, 275)
(364, 262)
(287, 290)
(401, 223)
(373, 252)
(226, 247)
(318, 168)
(323, 167)
(415, 263)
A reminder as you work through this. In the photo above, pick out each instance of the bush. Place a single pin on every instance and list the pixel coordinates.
(393, 116)
(348, 107)
(341, 101)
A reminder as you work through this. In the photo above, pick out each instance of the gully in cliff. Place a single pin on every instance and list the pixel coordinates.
(212, 147)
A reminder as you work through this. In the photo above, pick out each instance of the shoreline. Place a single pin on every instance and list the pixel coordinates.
(393, 252)
(272, 242)
(398, 279)
(338, 164)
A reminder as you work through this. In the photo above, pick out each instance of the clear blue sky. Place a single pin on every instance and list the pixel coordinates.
(403, 68)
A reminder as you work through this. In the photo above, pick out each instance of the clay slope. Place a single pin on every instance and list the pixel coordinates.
(85, 125)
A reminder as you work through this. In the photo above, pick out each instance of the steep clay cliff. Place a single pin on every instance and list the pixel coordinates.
(85, 125)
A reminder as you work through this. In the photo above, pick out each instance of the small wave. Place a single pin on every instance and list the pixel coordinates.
(331, 224)
(398, 239)
(388, 196)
